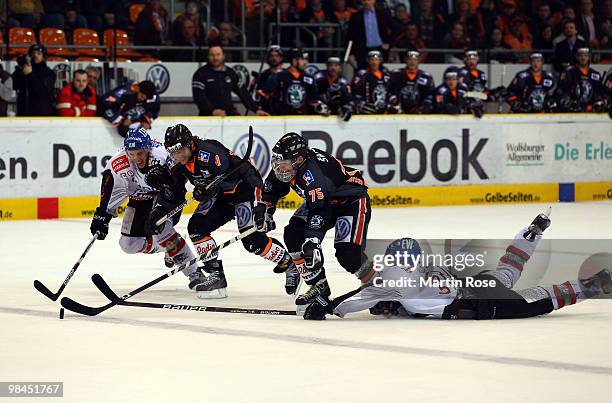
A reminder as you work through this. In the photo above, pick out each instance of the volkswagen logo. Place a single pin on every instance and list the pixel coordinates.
(160, 76)
(260, 154)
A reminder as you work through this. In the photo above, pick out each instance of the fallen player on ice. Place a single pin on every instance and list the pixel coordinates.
(402, 291)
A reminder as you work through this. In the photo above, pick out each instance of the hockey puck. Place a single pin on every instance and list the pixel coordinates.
(61, 315)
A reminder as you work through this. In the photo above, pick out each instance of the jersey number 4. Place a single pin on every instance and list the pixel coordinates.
(315, 194)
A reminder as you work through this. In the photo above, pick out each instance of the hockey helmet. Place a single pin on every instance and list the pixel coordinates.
(284, 155)
(177, 137)
(137, 139)
(405, 250)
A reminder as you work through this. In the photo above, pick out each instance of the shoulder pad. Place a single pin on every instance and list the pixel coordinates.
(424, 73)
(361, 72)
(523, 74)
(343, 81)
(441, 89)
(318, 76)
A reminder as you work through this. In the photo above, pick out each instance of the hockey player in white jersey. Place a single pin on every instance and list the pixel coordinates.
(125, 176)
(416, 290)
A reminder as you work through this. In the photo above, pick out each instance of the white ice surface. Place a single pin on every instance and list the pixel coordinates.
(150, 355)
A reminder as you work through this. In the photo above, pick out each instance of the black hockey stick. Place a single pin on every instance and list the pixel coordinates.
(53, 296)
(215, 181)
(112, 296)
(203, 308)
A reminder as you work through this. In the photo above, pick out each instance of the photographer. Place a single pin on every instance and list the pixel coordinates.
(34, 83)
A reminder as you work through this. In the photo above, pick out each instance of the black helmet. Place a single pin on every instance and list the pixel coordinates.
(177, 137)
(39, 48)
(297, 53)
(288, 148)
(451, 72)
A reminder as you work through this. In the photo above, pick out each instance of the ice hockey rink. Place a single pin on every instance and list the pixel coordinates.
(153, 355)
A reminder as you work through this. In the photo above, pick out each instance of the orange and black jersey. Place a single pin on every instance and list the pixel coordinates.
(412, 89)
(531, 89)
(370, 86)
(211, 159)
(288, 92)
(324, 183)
(583, 85)
(474, 79)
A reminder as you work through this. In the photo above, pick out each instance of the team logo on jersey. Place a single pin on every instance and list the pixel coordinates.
(316, 222)
(243, 215)
(159, 75)
(120, 163)
(379, 94)
(547, 82)
(536, 99)
(260, 154)
(308, 178)
(343, 229)
(422, 81)
(203, 156)
(296, 95)
(242, 73)
(409, 93)
(584, 90)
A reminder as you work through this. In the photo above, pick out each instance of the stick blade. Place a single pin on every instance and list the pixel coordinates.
(105, 288)
(74, 306)
(40, 287)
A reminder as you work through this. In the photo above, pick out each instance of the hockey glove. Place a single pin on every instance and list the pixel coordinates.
(100, 223)
(346, 112)
(262, 215)
(156, 214)
(201, 193)
(322, 109)
(320, 307)
(312, 253)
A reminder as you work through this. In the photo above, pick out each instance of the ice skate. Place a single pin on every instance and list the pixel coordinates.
(321, 287)
(215, 285)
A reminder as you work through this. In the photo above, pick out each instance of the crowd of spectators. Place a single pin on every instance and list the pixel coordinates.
(499, 25)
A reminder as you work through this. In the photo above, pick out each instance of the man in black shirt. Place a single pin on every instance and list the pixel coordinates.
(34, 83)
(212, 86)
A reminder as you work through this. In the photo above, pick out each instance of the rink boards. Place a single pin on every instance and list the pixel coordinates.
(51, 167)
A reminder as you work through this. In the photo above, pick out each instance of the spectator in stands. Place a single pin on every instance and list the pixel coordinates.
(508, 13)
(130, 106)
(542, 19)
(227, 38)
(151, 27)
(606, 30)
(409, 39)
(212, 86)
(369, 29)
(6, 90)
(27, 13)
(456, 39)
(93, 75)
(54, 16)
(485, 21)
(187, 37)
(73, 21)
(77, 98)
(316, 13)
(496, 43)
(192, 13)
(423, 16)
(465, 16)
(401, 18)
(565, 51)
(517, 39)
(34, 83)
(342, 14)
(545, 42)
(285, 12)
(587, 24)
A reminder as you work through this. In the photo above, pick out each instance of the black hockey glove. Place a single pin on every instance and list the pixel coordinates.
(154, 216)
(317, 310)
(312, 253)
(201, 193)
(100, 223)
(346, 112)
(262, 215)
(322, 108)
(160, 178)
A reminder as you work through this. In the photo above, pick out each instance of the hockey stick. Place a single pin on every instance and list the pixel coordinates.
(112, 296)
(215, 181)
(476, 95)
(53, 296)
(202, 308)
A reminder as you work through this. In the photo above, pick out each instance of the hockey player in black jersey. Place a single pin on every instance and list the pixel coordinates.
(450, 96)
(130, 106)
(200, 161)
(369, 86)
(334, 91)
(334, 197)
(470, 75)
(532, 90)
(411, 89)
(580, 87)
(274, 58)
(291, 91)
